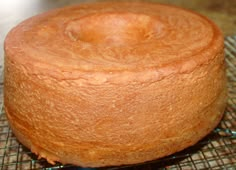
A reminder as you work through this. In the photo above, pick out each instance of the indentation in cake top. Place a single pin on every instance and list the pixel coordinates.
(115, 29)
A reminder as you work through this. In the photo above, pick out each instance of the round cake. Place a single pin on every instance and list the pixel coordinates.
(107, 84)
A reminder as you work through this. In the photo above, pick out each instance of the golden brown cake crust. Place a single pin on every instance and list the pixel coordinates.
(113, 83)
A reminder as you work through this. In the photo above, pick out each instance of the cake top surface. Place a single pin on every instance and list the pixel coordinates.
(115, 37)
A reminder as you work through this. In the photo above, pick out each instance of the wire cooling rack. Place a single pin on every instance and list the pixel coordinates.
(216, 151)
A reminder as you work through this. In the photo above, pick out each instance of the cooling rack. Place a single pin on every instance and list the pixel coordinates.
(216, 151)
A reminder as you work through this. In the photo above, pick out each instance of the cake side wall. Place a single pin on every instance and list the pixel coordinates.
(112, 123)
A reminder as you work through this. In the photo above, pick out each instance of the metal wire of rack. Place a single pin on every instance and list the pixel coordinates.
(216, 151)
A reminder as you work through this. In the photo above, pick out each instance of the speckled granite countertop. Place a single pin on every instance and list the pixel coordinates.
(222, 12)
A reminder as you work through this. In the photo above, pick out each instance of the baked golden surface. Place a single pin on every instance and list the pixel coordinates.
(113, 83)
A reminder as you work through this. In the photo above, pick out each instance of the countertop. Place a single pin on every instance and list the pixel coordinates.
(12, 12)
